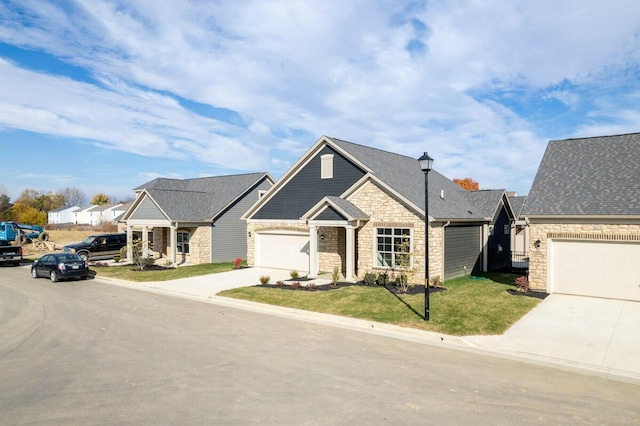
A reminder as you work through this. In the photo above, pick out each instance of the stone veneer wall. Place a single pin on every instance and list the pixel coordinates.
(385, 211)
(200, 245)
(545, 230)
(332, 249)
(159, 244)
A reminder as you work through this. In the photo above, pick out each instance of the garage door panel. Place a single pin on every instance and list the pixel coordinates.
(609, 269)
(283, 251)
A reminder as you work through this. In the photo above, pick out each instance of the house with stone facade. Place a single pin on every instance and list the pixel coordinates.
(194, 220)
(350, 206)
(584, 218)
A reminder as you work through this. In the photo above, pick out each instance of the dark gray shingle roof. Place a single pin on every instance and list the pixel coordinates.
(517, 203)
(404, 175)
(588, 176)
(199, 199)
(349, 208)
(485, 200)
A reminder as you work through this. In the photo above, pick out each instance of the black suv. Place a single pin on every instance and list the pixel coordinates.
(98, 246)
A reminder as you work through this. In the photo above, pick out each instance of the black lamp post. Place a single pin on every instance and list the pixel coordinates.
(426, 163)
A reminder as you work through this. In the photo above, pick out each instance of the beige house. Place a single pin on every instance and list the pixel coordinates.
(351, 206)
(583, 213)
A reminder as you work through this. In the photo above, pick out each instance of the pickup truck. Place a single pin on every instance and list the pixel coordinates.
(98, 246)
(9, 253)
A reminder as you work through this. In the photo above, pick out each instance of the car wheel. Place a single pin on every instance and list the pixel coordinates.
(84, 256)
(34, 273)
(54, 277)
(21, 239)
(43, 237)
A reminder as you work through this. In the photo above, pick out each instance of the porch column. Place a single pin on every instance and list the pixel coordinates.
(129, 244)
(313, 251)
(351, 253)
(173, 238)
(145, 242)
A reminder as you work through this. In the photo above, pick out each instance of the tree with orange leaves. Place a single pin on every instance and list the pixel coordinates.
(468, 184)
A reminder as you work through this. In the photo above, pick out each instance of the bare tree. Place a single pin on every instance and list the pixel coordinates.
(73, 196)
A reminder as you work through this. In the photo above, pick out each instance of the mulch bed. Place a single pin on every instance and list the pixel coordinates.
(288, 285)
(531, 293)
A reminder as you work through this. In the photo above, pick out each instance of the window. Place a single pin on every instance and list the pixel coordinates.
(506, 228)
(393, 246)
(326, 166)
(183, 242)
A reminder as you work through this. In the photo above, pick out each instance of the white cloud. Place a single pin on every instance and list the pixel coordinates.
(336, 68)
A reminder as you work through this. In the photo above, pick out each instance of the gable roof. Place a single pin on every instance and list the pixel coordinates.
(595, 176)
(487, 201)
(198, 199)
(398, 173)
(404, 176)
(517, 203)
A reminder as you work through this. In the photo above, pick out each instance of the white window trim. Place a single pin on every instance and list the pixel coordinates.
(375, 247)
(179, 246)
(326, 166)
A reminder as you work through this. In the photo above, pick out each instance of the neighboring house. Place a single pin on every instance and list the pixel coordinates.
(350, 206)
(195, 220)
(584, 218)
(494, 203)
(519, 234)
(62, 215)
(88, 215)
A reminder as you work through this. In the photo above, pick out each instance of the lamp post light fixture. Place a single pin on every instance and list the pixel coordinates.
(426, 163)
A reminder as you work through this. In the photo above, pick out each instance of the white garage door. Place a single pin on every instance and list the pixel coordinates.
(283, 250)
(608, 269)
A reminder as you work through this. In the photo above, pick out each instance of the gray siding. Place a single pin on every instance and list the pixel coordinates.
(330, 214)
(499, 259)
(147, 210)
(306, 188)
(461, 249)
(229, 232)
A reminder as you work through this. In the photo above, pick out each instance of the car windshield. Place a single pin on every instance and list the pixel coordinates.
(89, 240)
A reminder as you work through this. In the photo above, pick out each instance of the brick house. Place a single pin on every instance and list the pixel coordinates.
(195, 220)
(584, 218)
(351, 206)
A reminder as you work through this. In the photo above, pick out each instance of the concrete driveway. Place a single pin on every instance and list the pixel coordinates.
(601, 334)
(206, 286)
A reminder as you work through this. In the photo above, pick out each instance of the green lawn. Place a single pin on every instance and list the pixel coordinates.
(466, 307)
(128, 273)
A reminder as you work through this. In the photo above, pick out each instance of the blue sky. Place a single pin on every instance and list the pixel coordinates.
(106, 95)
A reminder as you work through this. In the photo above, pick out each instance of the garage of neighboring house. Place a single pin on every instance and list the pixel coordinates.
(462, 250)
(282, 249)
(597, 268)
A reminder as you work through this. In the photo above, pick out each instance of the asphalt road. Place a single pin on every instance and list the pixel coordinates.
(88, 353)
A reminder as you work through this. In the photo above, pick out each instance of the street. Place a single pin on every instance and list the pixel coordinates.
(84, 352)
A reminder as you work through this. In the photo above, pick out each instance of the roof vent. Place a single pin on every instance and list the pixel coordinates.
(442, 194)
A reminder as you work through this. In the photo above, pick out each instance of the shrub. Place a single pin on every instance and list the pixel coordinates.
(370, 278)
(335, 276)
(295, 285)
(264, 279)
(168, 263)
(237, 263)
(383, 279)
(311, 286)
(522, 283)
(294, 274)
(436, 281)
(280, 283)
